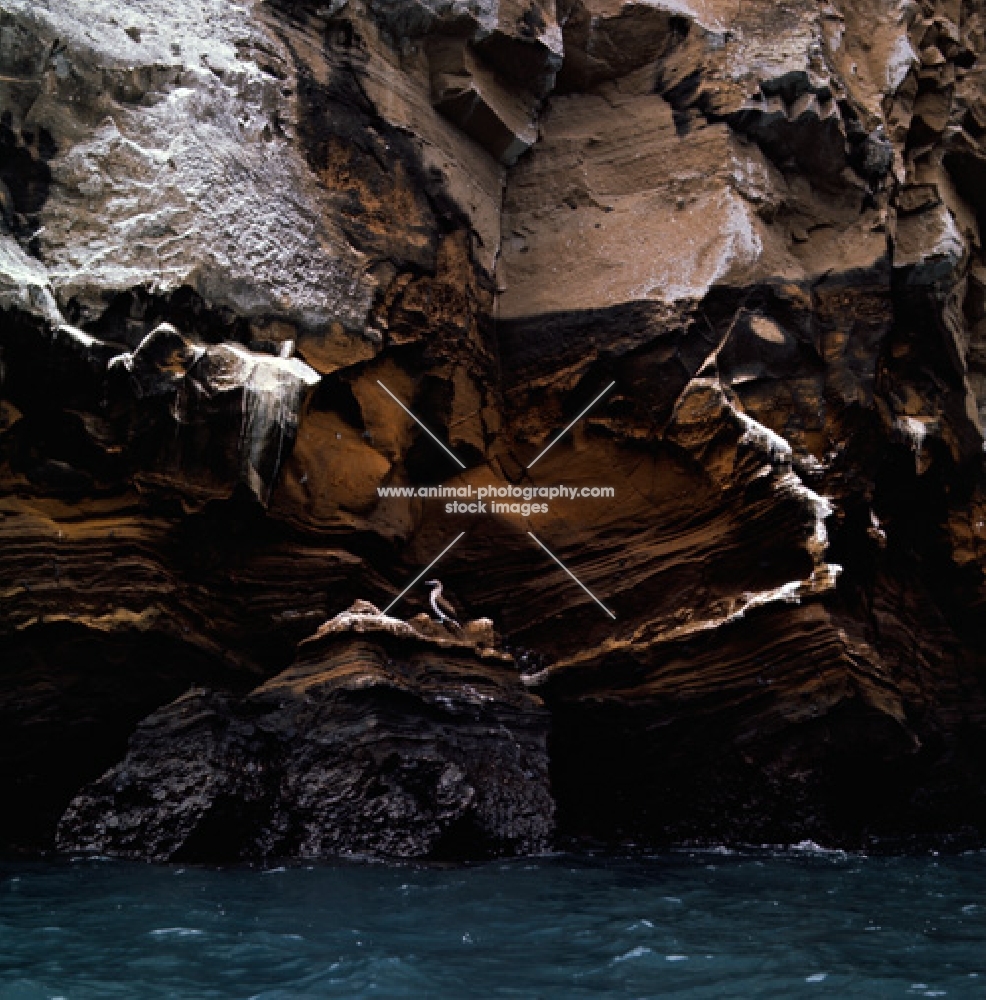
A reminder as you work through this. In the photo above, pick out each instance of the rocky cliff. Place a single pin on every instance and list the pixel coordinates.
(225, 228)
(383, 740)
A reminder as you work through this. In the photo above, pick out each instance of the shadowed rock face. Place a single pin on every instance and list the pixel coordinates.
(221, 229)
(380, 741)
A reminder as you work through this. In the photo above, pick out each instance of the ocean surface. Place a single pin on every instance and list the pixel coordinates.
(801, 922)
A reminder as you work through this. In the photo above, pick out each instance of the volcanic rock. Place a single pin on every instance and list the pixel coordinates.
(379, 741)
(235, 242)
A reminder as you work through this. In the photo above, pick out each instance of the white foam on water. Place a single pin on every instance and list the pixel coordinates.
(913, 430)
(633, 953)
(811, 847)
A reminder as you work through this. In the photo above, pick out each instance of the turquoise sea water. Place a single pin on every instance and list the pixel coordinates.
(698, 925)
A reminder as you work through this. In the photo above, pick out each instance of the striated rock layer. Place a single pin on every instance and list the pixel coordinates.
(751, 230)
(380, 741)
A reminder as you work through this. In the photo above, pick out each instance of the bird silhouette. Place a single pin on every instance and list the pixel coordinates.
(444, 611)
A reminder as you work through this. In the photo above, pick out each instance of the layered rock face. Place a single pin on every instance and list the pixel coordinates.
(380, 741)
(230, 233)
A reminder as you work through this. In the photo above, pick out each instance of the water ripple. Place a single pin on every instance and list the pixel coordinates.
(756, 924)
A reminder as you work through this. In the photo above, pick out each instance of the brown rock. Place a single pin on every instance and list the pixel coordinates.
(761, 222)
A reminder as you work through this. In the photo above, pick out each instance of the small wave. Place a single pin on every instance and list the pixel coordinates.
(676, 958)
(810, 847)
(816, 977)
(177, 932)
(637, 952)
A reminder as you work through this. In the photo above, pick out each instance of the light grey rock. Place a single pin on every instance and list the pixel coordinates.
(175, 164)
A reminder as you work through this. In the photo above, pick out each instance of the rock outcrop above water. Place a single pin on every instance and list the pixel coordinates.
(223, 230)
(380, 741)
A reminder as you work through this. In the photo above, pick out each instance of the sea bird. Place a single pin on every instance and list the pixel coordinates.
(443, 610)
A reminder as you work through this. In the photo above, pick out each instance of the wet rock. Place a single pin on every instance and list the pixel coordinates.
(379, 741)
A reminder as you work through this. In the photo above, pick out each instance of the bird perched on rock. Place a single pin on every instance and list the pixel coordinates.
(443, 610)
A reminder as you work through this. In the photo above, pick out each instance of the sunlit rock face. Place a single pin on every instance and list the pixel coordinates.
(223, 227)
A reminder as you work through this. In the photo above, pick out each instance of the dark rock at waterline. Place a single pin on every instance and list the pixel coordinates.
(381, 740)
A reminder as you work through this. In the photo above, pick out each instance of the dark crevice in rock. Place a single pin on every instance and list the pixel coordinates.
(42, 367)
(108, 683)
(966, 170)
(569, 337)
(25, 177)
(129, 316)
(853, 778)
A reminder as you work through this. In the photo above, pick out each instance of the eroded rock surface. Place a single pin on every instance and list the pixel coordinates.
(221, 229)
(380, 741)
